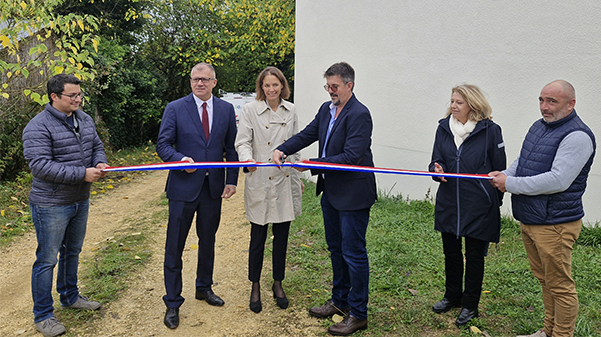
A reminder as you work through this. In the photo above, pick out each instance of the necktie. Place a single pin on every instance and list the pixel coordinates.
(205, 120)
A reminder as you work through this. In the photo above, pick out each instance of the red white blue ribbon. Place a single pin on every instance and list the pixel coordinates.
(181, 165)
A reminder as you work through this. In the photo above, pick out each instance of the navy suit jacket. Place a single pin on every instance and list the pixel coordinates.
(349, 143)
(181, 135)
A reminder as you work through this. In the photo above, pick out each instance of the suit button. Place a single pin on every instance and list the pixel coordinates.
(287, 174)
(207, 150)
(269, 143)
(270, 178)
(267, 126)
(284, 124)
(269, 160)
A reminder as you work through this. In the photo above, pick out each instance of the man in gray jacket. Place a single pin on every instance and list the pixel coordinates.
(65, 156)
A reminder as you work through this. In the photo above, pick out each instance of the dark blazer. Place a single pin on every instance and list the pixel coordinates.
(181, 135)
(469, 207)
(349, 143)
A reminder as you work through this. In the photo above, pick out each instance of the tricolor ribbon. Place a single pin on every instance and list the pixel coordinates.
(181, 165)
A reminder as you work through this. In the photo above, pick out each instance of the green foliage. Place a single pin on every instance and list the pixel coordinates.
(117, 19)
(56, 44)
(239, 38)
(407, 274)
(127, 96)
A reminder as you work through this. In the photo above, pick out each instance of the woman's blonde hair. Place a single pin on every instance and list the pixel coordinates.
(479, 107)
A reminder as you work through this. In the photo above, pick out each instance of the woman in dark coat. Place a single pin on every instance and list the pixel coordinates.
(467, 141)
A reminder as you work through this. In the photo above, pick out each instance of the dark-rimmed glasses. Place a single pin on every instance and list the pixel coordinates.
(205, 80)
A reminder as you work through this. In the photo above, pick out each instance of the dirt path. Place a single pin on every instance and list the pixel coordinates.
(140, 310)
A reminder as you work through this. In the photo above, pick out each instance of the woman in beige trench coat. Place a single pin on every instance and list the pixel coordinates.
(271, 194)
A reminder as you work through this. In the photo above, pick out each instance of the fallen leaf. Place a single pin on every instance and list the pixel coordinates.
(485, 334)
(530, 308)
(137, 257)
(486, 292)
(304, 245)
(2, 212)
(475, 329)
(337, 318)
(413, 292)
(392, 308)
(193, 246)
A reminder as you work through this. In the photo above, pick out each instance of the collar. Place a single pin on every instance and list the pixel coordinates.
(199, 102)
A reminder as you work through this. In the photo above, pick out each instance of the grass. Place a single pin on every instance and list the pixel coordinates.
(15, 216)
(407, 274)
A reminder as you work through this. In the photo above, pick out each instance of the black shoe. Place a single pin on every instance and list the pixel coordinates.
(172, 318)
(465, 316)
(256, 306)
(210, 297)
(281, 301)
(445, 305)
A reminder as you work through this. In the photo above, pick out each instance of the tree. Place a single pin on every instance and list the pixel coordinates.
(55, 44)
(36, 44)
(239, 37)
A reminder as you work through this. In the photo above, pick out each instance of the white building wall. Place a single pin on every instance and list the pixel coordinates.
(407, 56)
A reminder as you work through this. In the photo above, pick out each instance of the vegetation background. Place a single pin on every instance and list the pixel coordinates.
(135, 56)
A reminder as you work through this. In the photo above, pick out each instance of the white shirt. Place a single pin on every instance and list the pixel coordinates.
(199, 103)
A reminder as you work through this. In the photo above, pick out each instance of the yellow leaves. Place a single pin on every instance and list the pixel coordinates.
(80, 24)
(475, 329)
(3, 213)
(110, 187)
(94, 193)
(193, 246)
(304, 245)
(58, 70)
(5, 41)
(5, 95)
(95, 44)
(23, 5)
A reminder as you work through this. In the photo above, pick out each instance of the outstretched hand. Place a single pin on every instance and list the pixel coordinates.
(498, 180)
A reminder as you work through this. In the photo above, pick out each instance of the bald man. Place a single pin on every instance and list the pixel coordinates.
(547, 182)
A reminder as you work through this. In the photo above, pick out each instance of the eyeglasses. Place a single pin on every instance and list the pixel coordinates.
(205, 80)
(74, 97)
(333, 87)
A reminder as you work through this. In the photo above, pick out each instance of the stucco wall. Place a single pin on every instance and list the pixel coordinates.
(409, 54)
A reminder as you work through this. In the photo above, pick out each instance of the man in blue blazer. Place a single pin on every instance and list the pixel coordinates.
(343, 128)
(196, 128)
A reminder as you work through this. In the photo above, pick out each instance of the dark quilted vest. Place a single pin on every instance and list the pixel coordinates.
(537, 155)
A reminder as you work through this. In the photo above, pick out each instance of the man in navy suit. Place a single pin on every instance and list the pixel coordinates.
(196, 128)
(343, 128)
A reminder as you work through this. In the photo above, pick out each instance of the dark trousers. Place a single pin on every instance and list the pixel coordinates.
(181, 214)
(258, 235)
(345, 234)
(475, 250)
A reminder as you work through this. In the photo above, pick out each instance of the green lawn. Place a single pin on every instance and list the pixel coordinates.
(407, 274)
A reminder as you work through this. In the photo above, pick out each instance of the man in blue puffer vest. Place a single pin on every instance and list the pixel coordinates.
(547, 182)
(65, 156)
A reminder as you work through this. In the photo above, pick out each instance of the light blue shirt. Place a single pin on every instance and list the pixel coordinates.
(332, 121)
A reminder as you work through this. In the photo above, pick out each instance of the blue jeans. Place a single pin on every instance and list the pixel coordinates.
(345, 235)
(59, 230)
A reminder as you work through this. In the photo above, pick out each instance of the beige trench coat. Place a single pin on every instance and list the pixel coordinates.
(271, 195)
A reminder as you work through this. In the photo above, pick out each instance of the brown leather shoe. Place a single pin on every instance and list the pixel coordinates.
(327, 310)
(348, 325)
